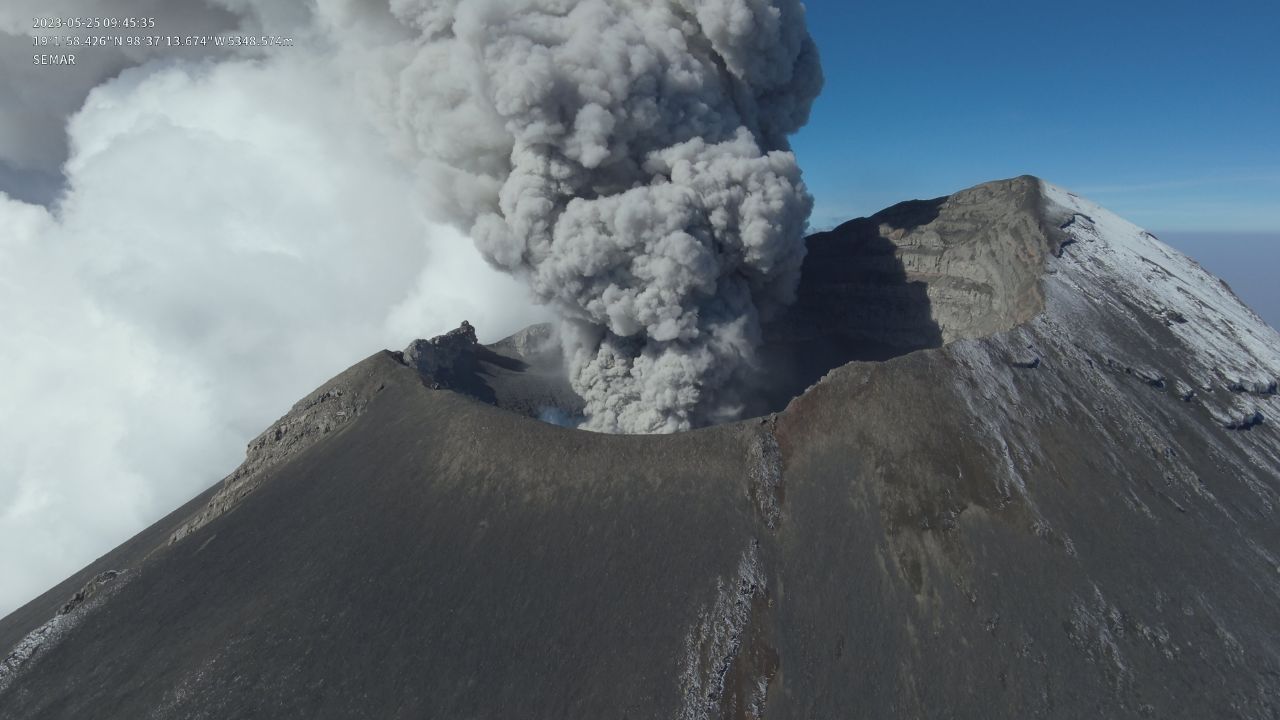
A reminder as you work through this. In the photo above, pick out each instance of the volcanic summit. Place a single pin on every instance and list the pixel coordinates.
(1010, 456)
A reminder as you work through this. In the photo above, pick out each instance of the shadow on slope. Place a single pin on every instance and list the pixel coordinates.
(856, 302)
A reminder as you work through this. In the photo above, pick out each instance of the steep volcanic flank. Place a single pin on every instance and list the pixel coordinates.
(1020, 460)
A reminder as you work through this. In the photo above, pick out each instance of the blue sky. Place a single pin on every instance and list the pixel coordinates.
(1165, 112)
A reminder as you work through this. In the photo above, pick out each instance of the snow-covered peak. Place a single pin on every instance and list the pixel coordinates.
(1227, 340)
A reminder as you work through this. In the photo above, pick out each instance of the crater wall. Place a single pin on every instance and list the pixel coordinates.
(920, 274)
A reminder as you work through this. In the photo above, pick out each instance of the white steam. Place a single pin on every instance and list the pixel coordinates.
(231, 237)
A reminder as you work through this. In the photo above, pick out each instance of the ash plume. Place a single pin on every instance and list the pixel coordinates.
(627, 159)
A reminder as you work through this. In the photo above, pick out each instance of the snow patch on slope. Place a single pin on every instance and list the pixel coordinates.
(714, 644)
(1136, 341)
(48, 635)
(1225, 345)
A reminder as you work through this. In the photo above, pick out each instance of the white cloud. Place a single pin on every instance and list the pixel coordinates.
(233, 234)
(35, 100)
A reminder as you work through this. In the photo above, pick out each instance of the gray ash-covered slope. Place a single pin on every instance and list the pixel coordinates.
(1046, 486)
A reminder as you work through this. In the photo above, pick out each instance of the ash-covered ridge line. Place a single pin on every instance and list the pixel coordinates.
(327, 410)
(455, 361)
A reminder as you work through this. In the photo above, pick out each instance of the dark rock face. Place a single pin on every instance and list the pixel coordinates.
(523, 373)
(1018, 523)
(445, 360)
(88, 592)
(915, 276)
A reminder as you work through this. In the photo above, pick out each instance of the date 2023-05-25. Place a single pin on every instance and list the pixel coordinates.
(93, 23)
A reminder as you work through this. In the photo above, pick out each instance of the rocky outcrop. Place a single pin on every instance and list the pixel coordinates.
(523, 373)
(446, 361)
(927, 272)
(45, 637)
(918, 275)
(327, 410)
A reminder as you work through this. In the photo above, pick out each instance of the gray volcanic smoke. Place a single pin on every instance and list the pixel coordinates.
(629, 160)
